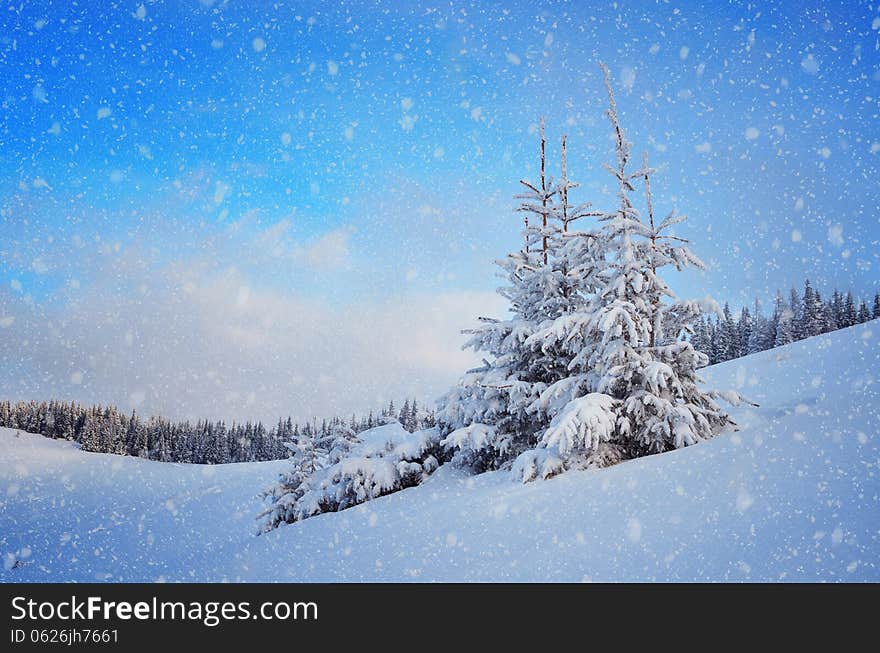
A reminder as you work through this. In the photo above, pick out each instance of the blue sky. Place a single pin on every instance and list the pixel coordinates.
(357, 162)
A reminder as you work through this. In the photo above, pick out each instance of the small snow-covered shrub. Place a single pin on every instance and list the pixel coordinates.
(381, 461)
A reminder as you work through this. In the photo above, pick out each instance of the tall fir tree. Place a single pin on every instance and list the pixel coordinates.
(617, 376)
(811, 317)
(496, 401)
(849, 314)
(797, 314)
(745, 329)
(782, 320)
(864, 314)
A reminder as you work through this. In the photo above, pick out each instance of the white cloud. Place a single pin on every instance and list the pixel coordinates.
(329, 251)
(224, 348)
(241, 319)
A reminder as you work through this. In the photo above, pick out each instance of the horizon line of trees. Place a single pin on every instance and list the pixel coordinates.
(106, 429)
(725, 337)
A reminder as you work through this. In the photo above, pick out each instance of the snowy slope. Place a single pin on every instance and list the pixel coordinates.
(794, 495)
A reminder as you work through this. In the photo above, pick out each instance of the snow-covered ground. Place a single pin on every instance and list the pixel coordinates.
(794, 495)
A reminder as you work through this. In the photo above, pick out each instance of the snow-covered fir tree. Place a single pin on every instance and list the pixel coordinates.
(729, 337)
(782, 319)
(292, 485)
(759, 335)
(500, 392)
(848, 314)
(337, 441)
(746, 327)
(616, 377)
(811, 312)
(797, 309)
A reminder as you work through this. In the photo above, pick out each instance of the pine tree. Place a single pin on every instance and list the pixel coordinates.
(764, 330)
(413, 422)
(728, 337)
(497, 398)
(337, 443)
(292, 485)
(811, 324)
(836, 309)
(136, 437)
(864, 314)
(876, 312)
(91, 435)
(716, 342)
(797, 315)
(849, 315)
(782, 319)
(745, 330)
(632, 387)
(700, 339)
(828, 322)
(403, 415)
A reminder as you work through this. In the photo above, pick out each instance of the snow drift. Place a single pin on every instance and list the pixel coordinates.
(794, 495)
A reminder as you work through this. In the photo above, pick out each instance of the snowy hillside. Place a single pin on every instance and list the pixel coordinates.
(794, 495)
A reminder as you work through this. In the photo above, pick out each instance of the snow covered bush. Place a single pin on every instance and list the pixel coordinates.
(292, 485)
(350, 470)
(594, 365)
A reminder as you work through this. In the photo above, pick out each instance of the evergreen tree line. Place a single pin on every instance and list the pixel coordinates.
(108, 430)
(726, 337)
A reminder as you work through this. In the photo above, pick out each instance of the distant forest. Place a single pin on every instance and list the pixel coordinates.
(799, 316)
(108, 430)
